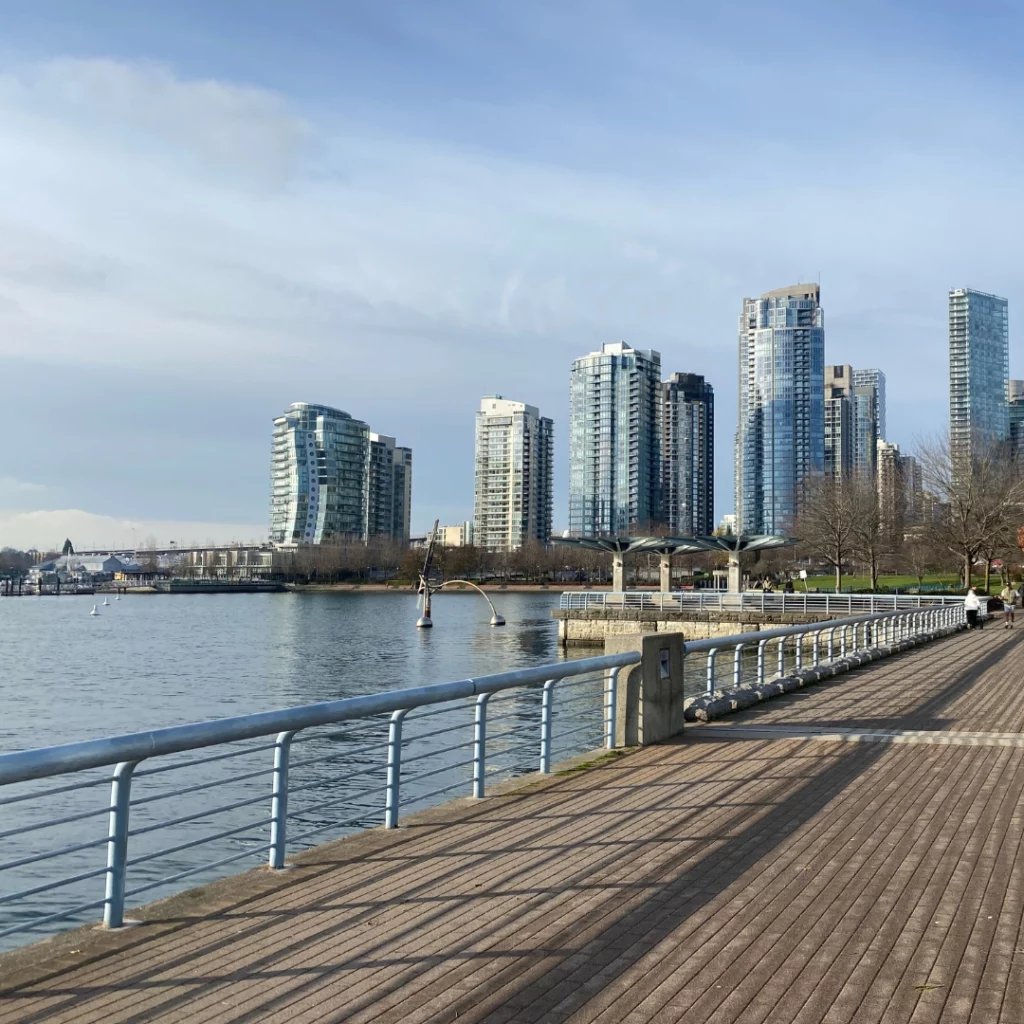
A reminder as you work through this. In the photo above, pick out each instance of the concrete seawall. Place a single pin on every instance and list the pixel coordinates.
(593, 625)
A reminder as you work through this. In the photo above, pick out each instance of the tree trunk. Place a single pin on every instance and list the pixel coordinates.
(967, 572)
(839, 577)
(988, 574)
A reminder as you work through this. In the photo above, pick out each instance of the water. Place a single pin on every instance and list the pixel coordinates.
(150, 661)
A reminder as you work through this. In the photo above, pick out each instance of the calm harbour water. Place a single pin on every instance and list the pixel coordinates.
(149, 661)
(152, 660)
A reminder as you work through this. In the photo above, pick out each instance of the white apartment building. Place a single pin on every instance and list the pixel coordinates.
(512, 495)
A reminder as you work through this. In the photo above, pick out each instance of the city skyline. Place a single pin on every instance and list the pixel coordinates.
(408, 206)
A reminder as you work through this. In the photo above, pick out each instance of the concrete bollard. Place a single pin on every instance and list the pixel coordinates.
(649, 708)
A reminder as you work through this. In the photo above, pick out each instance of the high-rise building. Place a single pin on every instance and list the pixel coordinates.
(891, 491)
(388, 489)
(1015, 408)
(614, 441)
(318, 476)
(875, 379)
(781, 435)
(512, 495)
(913, 491)
(688, 455)
(839, 421)
(865, 430)
(979, 370)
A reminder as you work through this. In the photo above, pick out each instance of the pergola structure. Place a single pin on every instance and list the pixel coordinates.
(733, 545)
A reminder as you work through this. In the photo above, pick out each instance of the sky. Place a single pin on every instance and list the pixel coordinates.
(211, 210)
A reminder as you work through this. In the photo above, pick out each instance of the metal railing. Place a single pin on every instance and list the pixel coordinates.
(396, 749)
(750, 600)
(816, 644)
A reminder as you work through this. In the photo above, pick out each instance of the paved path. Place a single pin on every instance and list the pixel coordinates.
(727, 879)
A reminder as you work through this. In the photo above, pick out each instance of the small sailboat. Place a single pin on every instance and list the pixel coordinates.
(94, 611)
(106, 602)
(117, 597)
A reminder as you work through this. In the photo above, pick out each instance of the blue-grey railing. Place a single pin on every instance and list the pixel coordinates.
(569, 707)
(749, 600)
(393, 746)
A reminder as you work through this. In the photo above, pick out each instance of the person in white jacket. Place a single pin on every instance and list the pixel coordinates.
(972, 605)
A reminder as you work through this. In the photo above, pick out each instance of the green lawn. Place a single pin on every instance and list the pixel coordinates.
(888, 582)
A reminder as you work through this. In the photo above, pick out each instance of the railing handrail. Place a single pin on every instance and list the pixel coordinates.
(716, 642)
(43, 762)
(750, 598)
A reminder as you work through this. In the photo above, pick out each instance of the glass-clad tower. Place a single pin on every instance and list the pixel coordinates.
(688, 455)
(874, 378)
(318, 476)
(513, 475)
(781, 435)
(614, 441)
(979, 370)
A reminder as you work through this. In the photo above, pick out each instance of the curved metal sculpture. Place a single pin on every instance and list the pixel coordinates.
(426, 590)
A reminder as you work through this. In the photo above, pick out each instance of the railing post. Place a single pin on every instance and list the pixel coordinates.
(817, 645)
(480, 744)
(279, 801)
(545, 727)
(760, 661)
(842, 641)
(831, 643)
(737, 667)
(393, 797)
(117, 844)
(711, 670)
(611, 699)
(782, 656)
(799, 663)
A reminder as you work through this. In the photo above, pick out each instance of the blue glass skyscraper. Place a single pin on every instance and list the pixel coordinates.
(781, 435)
(979, 370)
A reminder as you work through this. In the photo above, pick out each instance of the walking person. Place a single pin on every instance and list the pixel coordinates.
(972, 605)
(1009, 598)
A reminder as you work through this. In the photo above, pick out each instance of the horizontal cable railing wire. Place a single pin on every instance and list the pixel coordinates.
(166, 821)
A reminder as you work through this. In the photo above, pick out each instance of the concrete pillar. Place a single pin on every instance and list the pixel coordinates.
(666, 573)
(649, 704)
(735, 576)
(617, 572)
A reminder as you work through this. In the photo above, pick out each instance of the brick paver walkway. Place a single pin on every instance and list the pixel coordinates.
(722, 879)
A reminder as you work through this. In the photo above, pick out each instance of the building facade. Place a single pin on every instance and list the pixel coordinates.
(388, 489)
(688, 455)
(614, 441)
(866, 434)
(512, 498)
(979, 370)
(318, 476)
(891, 491)
(875, 379)
(781, 435)
(1015, 411)
(839, 421)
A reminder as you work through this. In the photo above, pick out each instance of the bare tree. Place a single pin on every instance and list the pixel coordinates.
(979, 499)
(871, 539)
(827, 521)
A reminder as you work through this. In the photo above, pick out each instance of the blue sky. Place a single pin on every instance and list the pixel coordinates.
(208, 211)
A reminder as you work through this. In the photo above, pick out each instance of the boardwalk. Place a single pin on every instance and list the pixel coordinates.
(817, 859)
